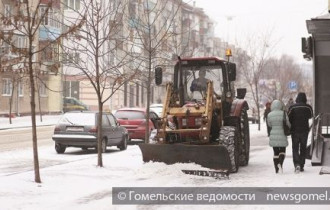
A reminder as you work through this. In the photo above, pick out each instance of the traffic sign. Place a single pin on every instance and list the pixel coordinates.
(293, 86)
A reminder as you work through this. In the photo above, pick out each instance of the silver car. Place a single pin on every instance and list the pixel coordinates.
(79, 129)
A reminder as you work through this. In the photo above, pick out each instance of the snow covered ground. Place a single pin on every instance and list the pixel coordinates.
(21, 122)
(73, 181)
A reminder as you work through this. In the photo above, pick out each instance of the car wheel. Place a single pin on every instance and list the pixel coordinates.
(123, 145)
(60, 149)
(104, 145)
(84, 148)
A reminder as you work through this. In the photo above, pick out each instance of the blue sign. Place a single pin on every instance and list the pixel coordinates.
(293, 86)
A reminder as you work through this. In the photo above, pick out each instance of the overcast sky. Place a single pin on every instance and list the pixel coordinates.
(286, 18)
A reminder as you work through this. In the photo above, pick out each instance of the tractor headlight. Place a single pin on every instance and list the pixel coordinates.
(184, 122)
(171, 125)
(198, 121)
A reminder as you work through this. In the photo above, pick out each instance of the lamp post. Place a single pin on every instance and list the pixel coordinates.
(275, 89)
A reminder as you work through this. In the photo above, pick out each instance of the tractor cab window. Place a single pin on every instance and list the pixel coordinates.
(197, 80)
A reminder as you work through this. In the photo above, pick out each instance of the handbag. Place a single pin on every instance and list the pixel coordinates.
(286, 128)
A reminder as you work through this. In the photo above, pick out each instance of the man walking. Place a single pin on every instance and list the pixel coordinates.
(299, 114)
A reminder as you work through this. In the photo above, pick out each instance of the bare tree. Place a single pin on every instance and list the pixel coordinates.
(25, 19)
(282, 70)
(97, 52)
(252, 64)
(152, 27)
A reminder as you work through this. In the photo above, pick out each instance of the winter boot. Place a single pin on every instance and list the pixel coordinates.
(302, 168)
(281, 160)
(276, 163)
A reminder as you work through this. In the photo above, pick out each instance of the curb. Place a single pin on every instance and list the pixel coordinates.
(24, 126)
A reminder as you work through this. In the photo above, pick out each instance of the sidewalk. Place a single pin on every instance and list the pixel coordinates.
(24, 122)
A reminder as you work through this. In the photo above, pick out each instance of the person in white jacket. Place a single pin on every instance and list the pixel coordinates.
(277, 139)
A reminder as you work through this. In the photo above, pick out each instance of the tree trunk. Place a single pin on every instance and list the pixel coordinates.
(33, 116)
(99, 135)
(11, 103)
(34, 127)
(147, 134)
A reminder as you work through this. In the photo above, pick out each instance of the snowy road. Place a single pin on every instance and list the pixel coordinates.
(14, 139)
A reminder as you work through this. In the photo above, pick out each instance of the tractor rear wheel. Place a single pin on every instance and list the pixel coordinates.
(245, 139)
(228, 139)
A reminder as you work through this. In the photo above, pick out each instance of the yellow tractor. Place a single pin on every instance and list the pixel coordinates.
(202, 119)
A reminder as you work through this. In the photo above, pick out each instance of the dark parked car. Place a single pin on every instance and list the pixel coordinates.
(73, 104)
(79, 129)
(134, 120)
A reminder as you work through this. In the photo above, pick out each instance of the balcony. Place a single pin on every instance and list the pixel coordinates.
(49, 33)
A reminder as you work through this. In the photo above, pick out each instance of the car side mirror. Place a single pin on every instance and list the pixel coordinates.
(158, 75)
(232, 71)
(241, 92)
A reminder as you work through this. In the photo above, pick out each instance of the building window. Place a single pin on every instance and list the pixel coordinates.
(4, 48)
(34, 55)
(42, 90)
(71, 58)
(112, 52)
(7, 87)
(51, 18)
(7, 10)
(20, 42)
(20, 89)
(125, 94)
(50, 53)
(131, 98)
(45, 16)
(137, 94)
(142, 94)
(152, 94)
(72, 4)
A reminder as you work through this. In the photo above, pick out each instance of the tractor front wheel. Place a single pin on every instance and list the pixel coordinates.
(228, 139)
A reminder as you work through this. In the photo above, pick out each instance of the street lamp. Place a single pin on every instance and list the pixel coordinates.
(275, 91)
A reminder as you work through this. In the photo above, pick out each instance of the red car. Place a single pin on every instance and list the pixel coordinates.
(134, 120)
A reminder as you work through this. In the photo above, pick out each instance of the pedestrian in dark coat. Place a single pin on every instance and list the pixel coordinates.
(299, 114)
(290, 103)
(277, 138)
(267, 111)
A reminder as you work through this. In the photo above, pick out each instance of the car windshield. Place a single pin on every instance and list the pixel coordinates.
(160, 106)
(77, 118)
(129, 115)
(195, 82)
(156, 108)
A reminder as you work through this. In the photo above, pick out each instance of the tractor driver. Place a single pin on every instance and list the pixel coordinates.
(199, 84)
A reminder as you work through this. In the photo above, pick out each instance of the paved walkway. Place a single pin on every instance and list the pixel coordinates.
(24, 122)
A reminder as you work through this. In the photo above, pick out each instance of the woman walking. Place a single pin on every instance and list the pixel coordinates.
(277, 138)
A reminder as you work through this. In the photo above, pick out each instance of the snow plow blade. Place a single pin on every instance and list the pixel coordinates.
(209, 156)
